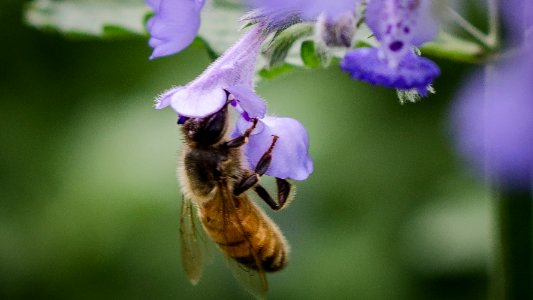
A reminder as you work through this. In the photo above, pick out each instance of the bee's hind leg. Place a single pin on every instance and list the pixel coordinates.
(249, 180)
(284, 190)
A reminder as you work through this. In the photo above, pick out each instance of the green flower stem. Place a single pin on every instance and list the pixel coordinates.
(450, 47)
(513, 278)
(493, 38)
(468, 27)
(481, 50)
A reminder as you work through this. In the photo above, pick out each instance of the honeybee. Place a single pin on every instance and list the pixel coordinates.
(214, 180)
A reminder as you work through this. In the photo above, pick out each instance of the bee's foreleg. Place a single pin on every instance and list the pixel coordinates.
(243, 139)
(250, 179)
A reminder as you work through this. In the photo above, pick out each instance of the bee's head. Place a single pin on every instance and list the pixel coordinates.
(208, 130)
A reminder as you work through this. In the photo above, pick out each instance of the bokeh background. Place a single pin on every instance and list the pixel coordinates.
(89, 202)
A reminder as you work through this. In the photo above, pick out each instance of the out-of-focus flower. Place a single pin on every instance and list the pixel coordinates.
(519, 16)
(399, 26)
(493, 123)
(290, 157)
(492, 118)
(231, 74)
(174, 25)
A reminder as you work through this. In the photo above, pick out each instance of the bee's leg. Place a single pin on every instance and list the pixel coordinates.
(264, 161)
(249, 180)
(284, 189)
(252, 178)
(243, 139)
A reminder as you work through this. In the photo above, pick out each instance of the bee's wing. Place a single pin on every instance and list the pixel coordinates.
(253, 280)
(194, 250)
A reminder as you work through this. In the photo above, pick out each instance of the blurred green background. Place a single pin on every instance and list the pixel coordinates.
(89, 202)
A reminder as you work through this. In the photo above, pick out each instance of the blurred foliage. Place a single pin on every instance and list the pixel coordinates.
(113, 19)
(89, 202)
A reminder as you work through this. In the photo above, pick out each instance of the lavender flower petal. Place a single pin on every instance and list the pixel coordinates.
(207, 93)
(249, 101)
(174, 25)
(308, 9)
(413, 72)
(198, 102)
(164, 99)
(331, 9)
(290, 157)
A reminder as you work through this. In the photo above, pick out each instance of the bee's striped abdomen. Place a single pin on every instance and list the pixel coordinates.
(246, 235)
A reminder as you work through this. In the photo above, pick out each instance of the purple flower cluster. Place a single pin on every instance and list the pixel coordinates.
(398, 25)
(230, 78)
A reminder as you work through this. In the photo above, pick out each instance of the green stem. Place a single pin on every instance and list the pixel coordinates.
(515, 259)
(457, 49)
(468, 27)
(493, 38)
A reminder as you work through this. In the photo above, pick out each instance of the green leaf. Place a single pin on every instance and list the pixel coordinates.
(309, 55)
(113, 19)
(199, 41)
(116, 32)
(282, 42)
(272, 73)
(89, 18)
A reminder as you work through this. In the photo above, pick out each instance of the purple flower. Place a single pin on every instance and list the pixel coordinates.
(493, 123)
(174, 25)
(519, 16)
(399, 26)
(231, 74)
(290, 157)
